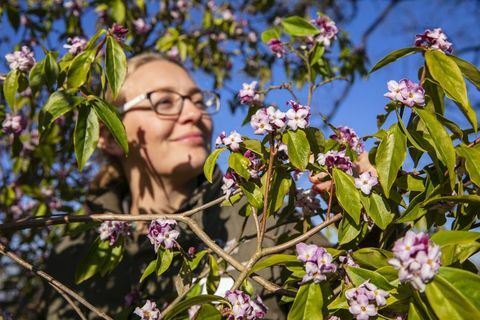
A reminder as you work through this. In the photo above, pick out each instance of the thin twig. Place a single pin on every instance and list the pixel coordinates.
(267, 188)
(52, 281)
(70, 301)
(330, 197)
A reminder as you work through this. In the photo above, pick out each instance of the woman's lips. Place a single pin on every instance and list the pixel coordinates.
(191, 138)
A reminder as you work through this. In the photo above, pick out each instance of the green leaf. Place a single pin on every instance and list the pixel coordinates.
(315, 139)
(464, 281)
(254, 146)
(308, 303)
(456, 245)
(59, 103)
(208, 312)
(472, 162)
(347, 194)
(441, 141)
(410, 138)
(193, 264)
(114, 257)
(115, 65)
(85, 137)
(471, 199)
(239, 164)
(348, 230)
(10, 88)
(270, 34)
(298, 148)
(377, 209)
(299, 27)
(390, 156)
(209, 165)
(118, 11)
(94, 261)
(279, 188)
(50, 68)
(36, 78)
(213, 278)
(414, 210)
(393, 56)
(164, 260)
(187, 303)
(360, 275)
(93, 40)
(253, 194)
(273, 260)
(372, 257)
(447, 73)
(448, 302)
(413, 312)
(152, 266)
(470, 71)
(79, 69)
(109, 117)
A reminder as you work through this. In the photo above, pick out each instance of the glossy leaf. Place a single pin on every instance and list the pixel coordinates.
(390, 156)
(79, 69)
(308, 303)
(208, 312)
(273, 260)
(347, 194)
(93, 262)
(239, 164)
(36, 77)
(10, 88)
(348, 230)
(299, 27)
(209, 165)
(115, 65)
(164, 260)
(279, 188)
(213, 278)
(85, 137)
(253, 194)
(109, 117)
(441, 141)
(470, 71)
(254, 146)
(360, 275)
(298, 148)
(393, 56)
(270, 34)
(377, 209)
(59, 103)
(50, 69)
(471, 198)
(464, 281)
(187, 303)
(372, 257)
(447, 73)
(456, 245)
(472, 162)
(152, 266)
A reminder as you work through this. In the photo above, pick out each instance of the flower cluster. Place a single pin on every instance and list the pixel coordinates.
(416, 258)
(247, 94)
(22, 60)
(162, 231)
(406, 92)
(112, 230)
(336, 159)
(244, 307)
(229, 183)
(75, 45)
(232, 141)
(14, 124)
(149, 311)
(298, 116)
(365, 300)
(347, 136)
(328, 30)
(277, 47)
(267, 120)
(318, 262)
(365, 182)
(307, 200)
(435, 39)
(255, 163)
(118, 32)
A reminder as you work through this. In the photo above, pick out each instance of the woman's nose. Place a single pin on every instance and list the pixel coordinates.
(190, 112)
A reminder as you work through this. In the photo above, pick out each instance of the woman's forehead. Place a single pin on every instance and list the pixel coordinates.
(158, 74)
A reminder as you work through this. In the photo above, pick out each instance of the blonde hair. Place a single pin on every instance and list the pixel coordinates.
(112, 169)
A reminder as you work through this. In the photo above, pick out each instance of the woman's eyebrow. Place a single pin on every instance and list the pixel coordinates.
(173, 89)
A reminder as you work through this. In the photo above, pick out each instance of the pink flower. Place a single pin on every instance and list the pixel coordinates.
(14, 124)
(276, 117)
(365, 300)
(112, 230)
(229, 183)
(436, 40)
(219, 141)
(260, 122)
(328, 30)
(276, 46)
(75, 45)
(406, 92)
(233, 141)
(149, 311)
(22, 60)
(336, 159)
(362, 309)
(141, 27)
(318, 262)
(161, 231)
(247, 93)
(365, 182)
(348, 137)
(118, 32)
(244, 307)
(298, 116)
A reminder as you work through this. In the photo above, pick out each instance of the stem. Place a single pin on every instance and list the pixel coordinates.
(257, 227)
(70, 301)
(52, 281)
(330, 198)
(267, 188)
(244, 274)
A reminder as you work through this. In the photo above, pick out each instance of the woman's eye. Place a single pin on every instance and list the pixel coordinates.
(164, 103)
(200, 104)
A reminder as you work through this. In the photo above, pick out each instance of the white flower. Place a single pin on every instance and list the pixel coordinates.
(365, 182)
(149, 311)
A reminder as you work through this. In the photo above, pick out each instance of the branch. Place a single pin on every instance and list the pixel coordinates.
(52, 281)
(70, 301)
(267, 189)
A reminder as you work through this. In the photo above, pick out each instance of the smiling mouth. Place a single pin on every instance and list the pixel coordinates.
(193, 137)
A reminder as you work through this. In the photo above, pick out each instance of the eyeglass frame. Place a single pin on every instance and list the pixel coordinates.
(146, 96)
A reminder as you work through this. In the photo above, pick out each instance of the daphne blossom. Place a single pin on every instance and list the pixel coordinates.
(141, 26)
(277, 47)
(336, 159)
(112, 230)
(433, 39)
(233, 141)
(22, 60)
(416, 258)
(149, 311)
(365, 300)
(247, 94)
(162, 231)
(318, 262)
(267, 120)
(244, 307)
(75, 45)
(328, 30)
(348, 137)
(406, 92)
(14, 124)
(255, 163)
(229, 183)
(298, 116)
(365, 182)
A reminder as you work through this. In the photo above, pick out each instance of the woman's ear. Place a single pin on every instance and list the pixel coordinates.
(107, 143)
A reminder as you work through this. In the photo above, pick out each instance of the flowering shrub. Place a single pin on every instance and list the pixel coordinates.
(393, 251)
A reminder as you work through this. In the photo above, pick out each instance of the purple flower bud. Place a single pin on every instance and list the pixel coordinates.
(336, 159)
(328, 30)
(112, 230)
(276, 46)
(118, 31)
(244, 307)
(348, 137)
(14, 124)
(75, 45)
(22, 60)
(436, 40)
(229, 183)
(161, 231)
(149, 311)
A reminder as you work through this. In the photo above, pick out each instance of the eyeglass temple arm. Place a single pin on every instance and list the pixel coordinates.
(128, 105)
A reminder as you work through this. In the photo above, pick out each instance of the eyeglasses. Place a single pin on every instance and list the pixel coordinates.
(169, 102)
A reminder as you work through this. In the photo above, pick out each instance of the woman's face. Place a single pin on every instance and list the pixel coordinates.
(175, 146)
